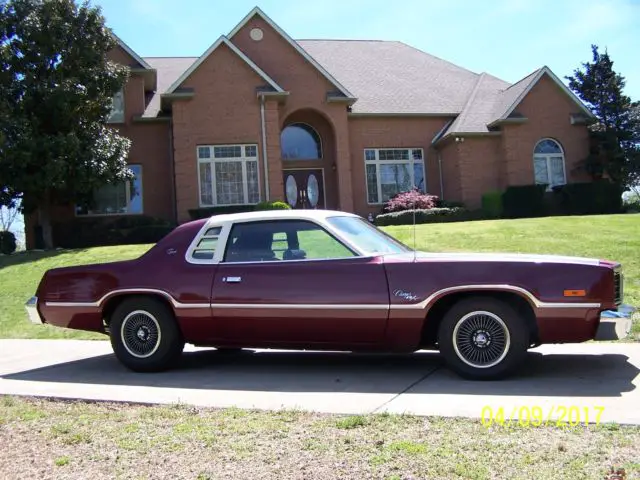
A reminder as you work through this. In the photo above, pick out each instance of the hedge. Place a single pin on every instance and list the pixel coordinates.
(105, 231)
(277, 205)
(522, 201)
(206, 212)
(585, 198)
(492, 204)
(432, 215)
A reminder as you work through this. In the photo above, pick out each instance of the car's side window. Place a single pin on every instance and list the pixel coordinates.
(282, 240)
(205, 249)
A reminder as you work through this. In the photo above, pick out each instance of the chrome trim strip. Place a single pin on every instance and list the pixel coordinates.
(174, 302)
(421, 305)
(509, 288)
(307, 306)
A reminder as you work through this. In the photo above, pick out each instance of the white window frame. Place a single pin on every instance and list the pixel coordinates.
(213, 161)
(117, 116)
(377, 162)
(547, 157)
(127, 190)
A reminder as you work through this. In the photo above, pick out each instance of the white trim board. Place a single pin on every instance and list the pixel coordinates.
(220, 41)
(532, 83)
(133, 54)
(294, 44)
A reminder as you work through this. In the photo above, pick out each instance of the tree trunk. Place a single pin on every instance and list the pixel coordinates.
(45, 223)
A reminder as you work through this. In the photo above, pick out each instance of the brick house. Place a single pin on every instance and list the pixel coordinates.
(329, 124)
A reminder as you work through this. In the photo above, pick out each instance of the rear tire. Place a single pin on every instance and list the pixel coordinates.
(144, 335)
(483, 338)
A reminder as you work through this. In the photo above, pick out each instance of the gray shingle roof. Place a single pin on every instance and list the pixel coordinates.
(169, 69)
(392, 77)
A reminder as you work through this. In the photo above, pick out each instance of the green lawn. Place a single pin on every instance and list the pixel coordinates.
(615, 237)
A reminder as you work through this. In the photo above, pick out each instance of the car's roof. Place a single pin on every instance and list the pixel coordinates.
(277, 215)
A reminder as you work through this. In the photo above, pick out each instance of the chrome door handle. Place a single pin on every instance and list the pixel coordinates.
(232, 279)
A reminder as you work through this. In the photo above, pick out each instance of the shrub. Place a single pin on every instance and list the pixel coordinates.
(431, 215)
(524, 201)
(7, 242)
(206, 212)
(492, 204)
(587, 198)
(412, 199)
(449, 204)
(276, 205)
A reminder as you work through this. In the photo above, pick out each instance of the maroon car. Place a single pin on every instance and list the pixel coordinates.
(324, 280)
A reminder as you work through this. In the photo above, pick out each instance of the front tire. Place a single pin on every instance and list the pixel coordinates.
(483, 338)
(144, 335)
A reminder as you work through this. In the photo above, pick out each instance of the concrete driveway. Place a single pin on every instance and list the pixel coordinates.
(583, 376)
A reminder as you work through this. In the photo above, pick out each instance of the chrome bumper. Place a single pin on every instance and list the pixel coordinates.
(32, 311)
(615, 324)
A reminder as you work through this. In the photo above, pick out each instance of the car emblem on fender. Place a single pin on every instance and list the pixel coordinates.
(405, 295)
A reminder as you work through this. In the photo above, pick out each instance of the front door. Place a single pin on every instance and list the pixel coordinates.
(291, 283)
(304, 188)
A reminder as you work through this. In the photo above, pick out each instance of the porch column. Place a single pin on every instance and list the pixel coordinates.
(274, 162)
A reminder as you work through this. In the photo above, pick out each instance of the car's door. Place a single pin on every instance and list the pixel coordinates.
(292, 282)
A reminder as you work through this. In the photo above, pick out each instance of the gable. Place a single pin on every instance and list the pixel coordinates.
(275, 51)
(529, 84)
(224, 42)
(124, 55)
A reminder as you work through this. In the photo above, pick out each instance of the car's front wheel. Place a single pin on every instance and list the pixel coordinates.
(144, 335)
(483, 338)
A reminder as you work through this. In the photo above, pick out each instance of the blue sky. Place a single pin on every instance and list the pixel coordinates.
(507, 38)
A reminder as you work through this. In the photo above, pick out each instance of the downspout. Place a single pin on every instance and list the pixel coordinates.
(174, 206)
(440, 171)
(265, 161)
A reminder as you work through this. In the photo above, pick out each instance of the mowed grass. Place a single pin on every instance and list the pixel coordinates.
(59, 439)
(614, 237)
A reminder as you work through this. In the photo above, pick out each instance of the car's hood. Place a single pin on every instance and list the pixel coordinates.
(492, 257)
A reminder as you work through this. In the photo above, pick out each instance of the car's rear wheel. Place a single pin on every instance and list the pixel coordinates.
(144, 335)
(483, 338)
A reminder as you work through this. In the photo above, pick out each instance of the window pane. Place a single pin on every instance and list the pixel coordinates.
(251, 151)
(252, 182)
(372, 184)
(417, 154)
(366, 236)
(286, 240)
(557, 170)
(418, 176)
(540, 170)
(394, 154)
(394, 179)
(204, 152)
(548, 146)
(110, 199)
(300, 142)
(206, 185)
(231, 151)
(229, 184)
(135, 190)
(370, 154)
(117, 108)
(318, 244)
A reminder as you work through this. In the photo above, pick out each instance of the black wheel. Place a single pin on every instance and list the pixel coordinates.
(144, 335)
(483, 339)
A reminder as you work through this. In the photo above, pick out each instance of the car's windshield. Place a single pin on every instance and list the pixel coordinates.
(365, 236)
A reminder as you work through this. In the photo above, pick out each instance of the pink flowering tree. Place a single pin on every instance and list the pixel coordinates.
(412, 199)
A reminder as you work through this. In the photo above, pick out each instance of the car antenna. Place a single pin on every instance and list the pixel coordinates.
(414, 227)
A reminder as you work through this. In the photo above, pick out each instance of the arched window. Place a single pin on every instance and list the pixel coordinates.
(548, 163)
(299, 141)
